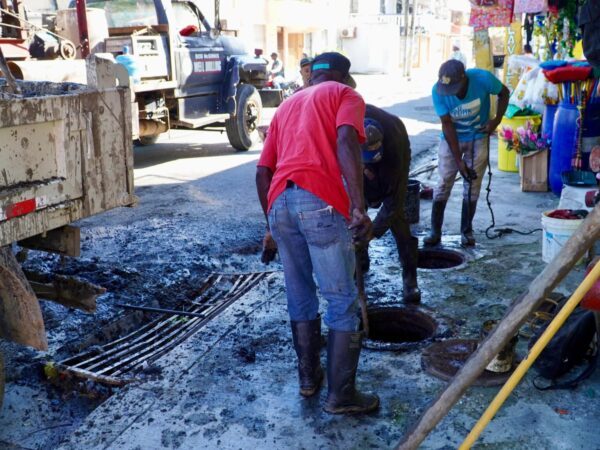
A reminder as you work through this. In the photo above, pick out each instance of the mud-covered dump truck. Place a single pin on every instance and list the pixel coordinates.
(186, 72)
(65, 154)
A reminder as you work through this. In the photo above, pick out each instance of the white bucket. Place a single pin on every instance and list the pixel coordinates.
(556, 232)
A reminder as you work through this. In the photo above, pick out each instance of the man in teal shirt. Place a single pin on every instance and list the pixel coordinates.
(462, 100)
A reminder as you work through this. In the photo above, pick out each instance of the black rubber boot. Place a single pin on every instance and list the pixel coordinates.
(409, 255)
(307, 343)
(343, 351)
(466, 223)
(437, 219)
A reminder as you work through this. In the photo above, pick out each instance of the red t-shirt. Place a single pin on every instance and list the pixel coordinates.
(301, 144)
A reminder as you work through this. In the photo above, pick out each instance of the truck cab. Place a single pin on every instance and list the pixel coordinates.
(190, 74)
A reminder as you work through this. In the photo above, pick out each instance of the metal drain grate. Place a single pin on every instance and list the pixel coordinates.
(116, 362)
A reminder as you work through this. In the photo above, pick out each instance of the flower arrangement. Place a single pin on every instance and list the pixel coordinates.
(524, 140)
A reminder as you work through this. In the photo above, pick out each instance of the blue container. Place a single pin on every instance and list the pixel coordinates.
(548, 121)
(130, 63)
(564, 142)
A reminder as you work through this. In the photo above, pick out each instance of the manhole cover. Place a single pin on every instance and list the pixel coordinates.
(437, 258)
(398, 328)
(444, 359)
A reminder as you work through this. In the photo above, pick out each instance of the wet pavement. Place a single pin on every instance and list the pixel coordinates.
(233, 384)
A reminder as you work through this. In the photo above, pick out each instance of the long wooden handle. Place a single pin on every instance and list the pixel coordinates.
(580, 242)
(362, 297)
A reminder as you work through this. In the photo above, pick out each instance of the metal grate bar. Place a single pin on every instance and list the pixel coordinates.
(106, 348)
(117, 360)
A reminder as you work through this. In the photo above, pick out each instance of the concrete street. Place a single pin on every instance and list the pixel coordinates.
(198, 213)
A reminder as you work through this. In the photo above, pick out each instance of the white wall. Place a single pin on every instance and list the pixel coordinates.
(375, 48)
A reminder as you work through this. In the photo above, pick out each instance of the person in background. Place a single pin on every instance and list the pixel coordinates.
(462, 100)
(386, 159)
(305, 72)
(276, 73)
(527, 51)
(310, 186)
(458, 55)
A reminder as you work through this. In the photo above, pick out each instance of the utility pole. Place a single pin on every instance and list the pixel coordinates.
(405, 34)
(412, 38)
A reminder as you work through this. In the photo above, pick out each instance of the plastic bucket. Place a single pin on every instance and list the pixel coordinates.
(556, 232)
(507, 159)
(564, 141)
(412, 204)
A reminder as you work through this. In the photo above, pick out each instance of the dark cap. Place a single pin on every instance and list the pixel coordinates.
(305, 61)
(450, 77)
(331, 61)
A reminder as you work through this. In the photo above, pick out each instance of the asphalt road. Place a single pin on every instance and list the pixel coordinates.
(198, 214)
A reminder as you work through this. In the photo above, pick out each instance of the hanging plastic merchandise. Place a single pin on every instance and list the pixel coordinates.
(530, 6)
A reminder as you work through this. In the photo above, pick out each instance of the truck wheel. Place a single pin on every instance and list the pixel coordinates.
(1, 380)
(247, 117)
(148, 140)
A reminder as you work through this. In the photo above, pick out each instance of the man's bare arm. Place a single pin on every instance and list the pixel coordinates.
(349, 158)
(264, 175)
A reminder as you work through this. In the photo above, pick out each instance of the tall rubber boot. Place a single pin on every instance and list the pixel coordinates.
(437, 219)
(409, 255)
(307, 343)
(466, 223)
(343, 352)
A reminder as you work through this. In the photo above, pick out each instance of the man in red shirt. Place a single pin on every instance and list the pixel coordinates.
(309, 182)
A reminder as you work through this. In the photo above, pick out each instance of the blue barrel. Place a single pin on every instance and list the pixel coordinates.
(590, 132)
(548, 121)
(564, 142)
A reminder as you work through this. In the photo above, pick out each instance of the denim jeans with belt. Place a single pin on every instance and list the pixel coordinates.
(312, 237)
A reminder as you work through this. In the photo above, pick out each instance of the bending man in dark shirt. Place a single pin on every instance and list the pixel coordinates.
(386, 157)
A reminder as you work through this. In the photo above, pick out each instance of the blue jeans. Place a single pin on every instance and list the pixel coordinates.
(313, 237)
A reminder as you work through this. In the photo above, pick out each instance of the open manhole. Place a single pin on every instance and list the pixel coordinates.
(439, 259)
(398, 328)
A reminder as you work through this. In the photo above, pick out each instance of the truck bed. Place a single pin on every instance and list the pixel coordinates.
(65, 154)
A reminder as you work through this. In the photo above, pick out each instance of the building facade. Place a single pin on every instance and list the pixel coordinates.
(287, 27)
(375, 34)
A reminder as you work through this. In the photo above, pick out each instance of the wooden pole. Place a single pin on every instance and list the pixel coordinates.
(580, 242)
(20, 314)
(362, 297)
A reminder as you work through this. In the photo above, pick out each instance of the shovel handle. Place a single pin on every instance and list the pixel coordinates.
(362, 297)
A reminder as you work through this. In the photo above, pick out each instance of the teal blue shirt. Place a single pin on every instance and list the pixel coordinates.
(470, 114)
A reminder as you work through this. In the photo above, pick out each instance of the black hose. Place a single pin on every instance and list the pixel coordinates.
(498, 232)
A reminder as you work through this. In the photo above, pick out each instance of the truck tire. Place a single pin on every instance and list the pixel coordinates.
(148, 140)
(248, 111)
(1, 380)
